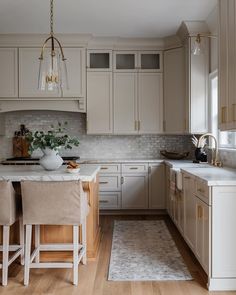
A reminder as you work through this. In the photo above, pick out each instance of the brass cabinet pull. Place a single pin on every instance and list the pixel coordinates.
(233, 111)
(104, 168)
(223, 114)
(133, 168)
(103, 201)
(186, 177)
(122, 180)
(199, 212)
(139, 124)
(103, 182)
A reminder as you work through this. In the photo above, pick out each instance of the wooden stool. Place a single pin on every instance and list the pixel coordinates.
(54, 203)
(10, 212)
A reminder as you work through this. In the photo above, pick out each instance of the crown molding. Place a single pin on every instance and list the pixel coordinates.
(192, 28)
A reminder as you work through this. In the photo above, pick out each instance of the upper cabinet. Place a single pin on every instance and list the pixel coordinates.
(8, 73)
(227, 65)
(197, 74)
(28, 74)
(142, 61)
(174, 91)
(99, 60)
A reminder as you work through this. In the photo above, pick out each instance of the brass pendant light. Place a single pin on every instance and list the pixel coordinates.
(52, 66)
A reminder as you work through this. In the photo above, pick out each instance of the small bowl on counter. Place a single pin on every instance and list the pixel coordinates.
(73, 167)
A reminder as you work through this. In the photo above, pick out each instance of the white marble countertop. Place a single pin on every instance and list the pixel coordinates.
(213, 176)
(120, 160)
(17, 173)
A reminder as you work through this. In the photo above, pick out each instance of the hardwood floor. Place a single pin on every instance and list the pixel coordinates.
(93, 276)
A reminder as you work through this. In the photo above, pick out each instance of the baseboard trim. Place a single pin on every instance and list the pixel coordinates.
(221, 284)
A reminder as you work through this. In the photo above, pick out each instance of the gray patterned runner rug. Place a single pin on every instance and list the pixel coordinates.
(143, 250)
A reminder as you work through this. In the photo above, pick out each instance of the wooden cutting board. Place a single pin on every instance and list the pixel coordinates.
(20, 147)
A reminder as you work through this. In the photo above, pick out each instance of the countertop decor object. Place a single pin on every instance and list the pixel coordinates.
(50, 143)
(174, 155)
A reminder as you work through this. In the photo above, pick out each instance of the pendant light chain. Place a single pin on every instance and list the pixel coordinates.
(51, 17)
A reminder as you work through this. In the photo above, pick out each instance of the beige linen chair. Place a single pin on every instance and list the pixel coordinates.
(54, 203)
(9, 214)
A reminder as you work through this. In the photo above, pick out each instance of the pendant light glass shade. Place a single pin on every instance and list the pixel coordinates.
(52, 72)
(52, 66)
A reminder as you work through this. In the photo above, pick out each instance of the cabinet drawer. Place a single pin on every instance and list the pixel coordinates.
(109, 168)
(134, 168)
(109, 182)
(109, 200)
(202, 191)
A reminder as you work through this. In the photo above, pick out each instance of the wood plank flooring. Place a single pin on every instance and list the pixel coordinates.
(93, 276)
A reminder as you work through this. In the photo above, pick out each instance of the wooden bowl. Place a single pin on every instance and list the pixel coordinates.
(174, 155)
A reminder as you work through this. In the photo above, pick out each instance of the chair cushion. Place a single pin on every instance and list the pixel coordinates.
(8, 206)
(53, 202)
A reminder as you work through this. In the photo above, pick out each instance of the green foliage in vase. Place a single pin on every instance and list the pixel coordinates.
(53, 139)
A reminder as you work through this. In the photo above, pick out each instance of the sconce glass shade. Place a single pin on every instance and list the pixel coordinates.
(52, 72)
(197, 47)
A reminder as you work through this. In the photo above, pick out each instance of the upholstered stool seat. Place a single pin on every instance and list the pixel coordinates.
(54, 203)
(10, 212)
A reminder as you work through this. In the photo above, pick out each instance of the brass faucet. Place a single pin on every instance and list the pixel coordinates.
(215, 157)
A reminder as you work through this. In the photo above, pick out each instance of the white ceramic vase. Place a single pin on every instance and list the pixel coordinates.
(50, 160)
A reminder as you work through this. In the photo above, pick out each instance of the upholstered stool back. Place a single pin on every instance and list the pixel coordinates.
(52, 202)
(8, 209)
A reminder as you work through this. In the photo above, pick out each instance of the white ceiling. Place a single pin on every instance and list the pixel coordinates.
(124, 18)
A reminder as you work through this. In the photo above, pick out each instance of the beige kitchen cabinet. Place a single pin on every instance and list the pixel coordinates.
(227, 65)
(76, 68)
(109, 200)
(125, 103)
(150, 103)
(135, 191)
(150, 61)
(28, 74)
(99, 102)
(174, 91)
(99, 60)
(138, 103)
(2, 124)
(197, 76)
(8, 73)
(202, 233)
(156, 182)
(125, 61)
(189, 211)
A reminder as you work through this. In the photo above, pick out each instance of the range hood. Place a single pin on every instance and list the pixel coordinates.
(49, 105)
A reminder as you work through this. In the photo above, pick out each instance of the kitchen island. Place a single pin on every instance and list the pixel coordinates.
(61, 234)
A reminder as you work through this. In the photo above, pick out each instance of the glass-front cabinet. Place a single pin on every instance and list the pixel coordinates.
(99, 60)
(133, 61)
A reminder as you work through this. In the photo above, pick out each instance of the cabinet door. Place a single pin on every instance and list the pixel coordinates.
(99, 60)
(125, 103)
(150, 106)
(156, 186)
(181, 212)
(189, 212)
(198, 91)
(174, 91)
(99, 102)
(8, 73)
(75, 59)
(28, 74)
(125, 61)
(223, 64)
(150, 61)
(135, 191)
(202, 234)
(109, 200)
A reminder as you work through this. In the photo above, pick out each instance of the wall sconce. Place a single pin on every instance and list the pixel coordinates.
(197, 47)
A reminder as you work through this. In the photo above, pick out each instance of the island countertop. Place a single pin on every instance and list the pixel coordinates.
(18, 173)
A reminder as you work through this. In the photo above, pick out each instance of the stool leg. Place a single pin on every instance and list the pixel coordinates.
(22, 242)
(37, 241)
(84, 241)
(5, 254)
(75, 254)
(27, 253)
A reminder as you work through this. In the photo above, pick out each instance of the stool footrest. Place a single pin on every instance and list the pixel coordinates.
(51, 265)
(57, 247)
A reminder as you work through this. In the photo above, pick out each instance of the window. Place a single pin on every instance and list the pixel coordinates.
(226, 139)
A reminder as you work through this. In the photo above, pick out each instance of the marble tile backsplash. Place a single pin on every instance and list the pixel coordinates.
(92, 146)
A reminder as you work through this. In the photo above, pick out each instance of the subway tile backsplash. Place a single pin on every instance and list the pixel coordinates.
(92, 146)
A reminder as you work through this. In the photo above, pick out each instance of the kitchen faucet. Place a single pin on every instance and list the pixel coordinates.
(214, 160)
